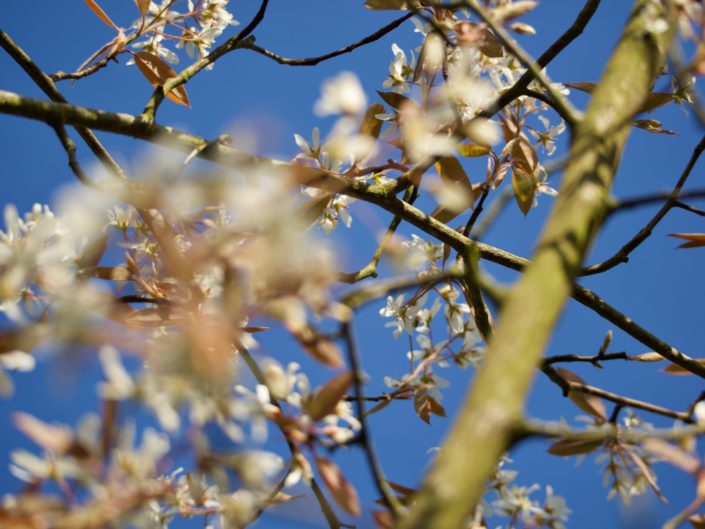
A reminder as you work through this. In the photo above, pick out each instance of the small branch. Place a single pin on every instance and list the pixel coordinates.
(594, 359)
(377, 474)
(312, 61)
(568, 386)
(551, 430)
(622, 255)
(656, 198)
(188, 73)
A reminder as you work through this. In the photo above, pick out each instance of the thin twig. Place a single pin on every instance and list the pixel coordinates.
(312, 61)
(150, 110)
(365, 437)
(622, 255)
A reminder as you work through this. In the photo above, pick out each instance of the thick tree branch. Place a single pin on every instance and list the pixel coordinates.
(484, 427)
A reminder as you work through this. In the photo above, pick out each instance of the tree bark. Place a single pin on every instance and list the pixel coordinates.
(485, 425)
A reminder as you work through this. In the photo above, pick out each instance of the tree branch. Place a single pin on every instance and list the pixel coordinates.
(312, 61)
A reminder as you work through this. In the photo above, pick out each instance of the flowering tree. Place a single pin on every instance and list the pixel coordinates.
(174, 274)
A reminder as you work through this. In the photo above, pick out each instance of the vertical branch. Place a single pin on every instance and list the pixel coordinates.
(372, 461)
(483, 428)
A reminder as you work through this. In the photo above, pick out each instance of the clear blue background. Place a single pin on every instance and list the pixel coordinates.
(660, 288)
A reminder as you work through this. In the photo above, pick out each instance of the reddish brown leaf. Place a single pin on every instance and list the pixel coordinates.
(318, 346)
(646, 472)
(672, 454)
(425, 405)
(572, 448)
(383, 519)
(694, 240)
(588, 403)
(393, 99)
(143, 6)
(101, 14)
(326, 398)
(370, 125)
(697, 521)
(55, 439)
(110, 273)
(653, 126)
(157, 72)
(675, 369)
(340, 488)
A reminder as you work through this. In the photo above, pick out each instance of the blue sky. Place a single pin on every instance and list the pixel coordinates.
(660, 288)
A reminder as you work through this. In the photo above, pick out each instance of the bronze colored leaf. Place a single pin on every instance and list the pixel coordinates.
(694, 240)
(451, 172)
(370, 125)
(143, 6)
(652, 125)
(327, 397)
(425, 405)
(157, 72)
(588, 403)
(653, 101)
(647, 473)
(513, 10)
(524, 186)
(110, 273)
(101, 14)
(675, 369)
(672, 454)
(472, 150)
(393, 99)
(569, 447)
(340, 488)
(52, 438)
(318, 346)
(697, 521)
(386, 5)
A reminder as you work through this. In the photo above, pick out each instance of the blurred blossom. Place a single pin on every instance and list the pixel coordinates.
(342, 94)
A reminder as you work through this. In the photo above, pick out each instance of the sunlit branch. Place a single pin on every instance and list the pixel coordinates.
(552, 430)
(312, 61)
(129, 125)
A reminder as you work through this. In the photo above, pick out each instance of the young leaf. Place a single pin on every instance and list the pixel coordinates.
(383, 5)
(52, 438)
(694, 240)
(675, 369)
(471, 150)
(524, 186)
(569, 447)
(652, 125)
(157, 72)
(513, 10)
(101, 14)
(318, 346)
(588, 403)
(672, 454)
(393, 99)
(451, 172)
(143, 6)
(370, 125)
(109, 273)
(326, 398)
(647, 473)
(340, 488)
(425, 405)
